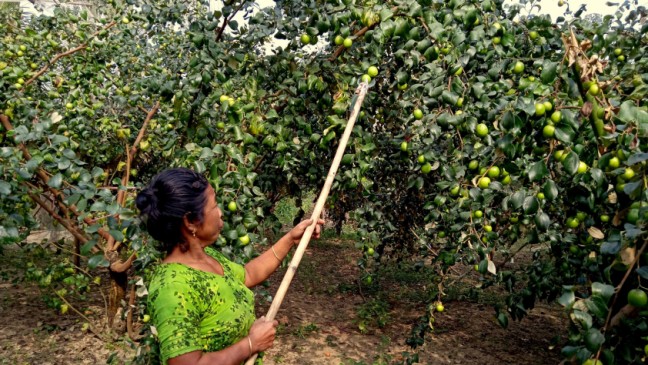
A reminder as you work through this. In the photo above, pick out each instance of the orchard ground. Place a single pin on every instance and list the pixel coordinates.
(320, 318)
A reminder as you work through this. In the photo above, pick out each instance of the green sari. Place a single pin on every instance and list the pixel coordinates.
(196, 310)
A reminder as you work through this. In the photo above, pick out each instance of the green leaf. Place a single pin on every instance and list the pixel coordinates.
(567, 299)
(565, 133)
(581, 318)
(98, 261)
(594, 338)
(542, 221)
(629, 112)
(385, 14)
(55, 181)
(517, 199)
(643, 272)
(538, 170)
(5, 188)
(571, 162)
(636, 158)
(117, 235)
(550, 190)
(530, 205)
(548, 74)
(597, 306)
(604, 291)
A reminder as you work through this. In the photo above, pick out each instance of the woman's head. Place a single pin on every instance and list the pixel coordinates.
(173, 204)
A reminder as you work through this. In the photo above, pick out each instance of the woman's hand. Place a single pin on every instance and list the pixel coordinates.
(262, 334)
(298, 231)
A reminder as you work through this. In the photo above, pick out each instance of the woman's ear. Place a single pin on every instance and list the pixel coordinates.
(188, 226)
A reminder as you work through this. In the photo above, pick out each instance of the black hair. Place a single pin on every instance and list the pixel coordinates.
(170, 196)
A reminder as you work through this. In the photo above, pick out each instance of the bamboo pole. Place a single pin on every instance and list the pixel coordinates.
(360, 92)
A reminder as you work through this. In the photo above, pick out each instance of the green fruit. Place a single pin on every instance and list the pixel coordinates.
(488, 228)
(473, 164)
(402, 87)
(348, 42)
(484, 182)
(533, 35)
(617, 51)
(418, 114)
(558, 155)
(582, 167)
(497, 40)
(481, 130)
(339, 40)
(372, 71)
(459, 71)
(440, 307)
(581, 216)
(455, 190)
(518, 68)
(232, 206)
(478, 214)
(125, 20)
(637, 298)
(426, 168)
(594, 89)
(506, 180)
(572, 222)
(621, 58)
(370, 251)
(589, 361)
(146, 318)
(548, 106)
(556, 116)
(628, 173)
(366, 78)
(494, 172)
(614, 162)
(605, 218)
(421, 159)
(244, 240)
(540, 109)
(633, 216)
(540, 195)
(305, 39)
(403, 146)
(442, 234)
(69, 106)
(459, 103)
(548, 131)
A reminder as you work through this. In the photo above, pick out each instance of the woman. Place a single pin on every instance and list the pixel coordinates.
(200, 302)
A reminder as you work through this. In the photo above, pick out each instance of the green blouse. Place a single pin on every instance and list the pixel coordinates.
(197, 310)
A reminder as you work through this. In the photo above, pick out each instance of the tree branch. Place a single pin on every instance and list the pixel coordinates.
(227, 20)
(66, 53)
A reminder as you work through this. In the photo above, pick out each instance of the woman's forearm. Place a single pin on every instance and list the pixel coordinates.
(235, 354)
(259, 269)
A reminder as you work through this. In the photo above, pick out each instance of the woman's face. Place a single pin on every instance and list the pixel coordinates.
(212, 218)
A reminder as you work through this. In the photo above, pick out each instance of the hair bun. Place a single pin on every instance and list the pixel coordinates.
(147, 202)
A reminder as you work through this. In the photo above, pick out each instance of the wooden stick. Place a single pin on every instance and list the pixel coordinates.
(361, 92)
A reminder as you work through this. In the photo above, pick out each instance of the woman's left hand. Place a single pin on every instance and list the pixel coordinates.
(298, 231)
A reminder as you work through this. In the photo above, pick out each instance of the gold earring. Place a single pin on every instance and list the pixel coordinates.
(193, 233)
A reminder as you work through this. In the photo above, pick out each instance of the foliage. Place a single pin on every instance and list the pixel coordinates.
(93, 107)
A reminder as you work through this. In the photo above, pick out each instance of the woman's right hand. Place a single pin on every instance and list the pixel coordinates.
(262, 334)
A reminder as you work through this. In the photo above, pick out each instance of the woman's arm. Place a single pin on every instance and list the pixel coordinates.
(261, 337)
(259, 269)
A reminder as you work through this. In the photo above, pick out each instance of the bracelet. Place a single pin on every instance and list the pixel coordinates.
(275, 254)
(250, 343)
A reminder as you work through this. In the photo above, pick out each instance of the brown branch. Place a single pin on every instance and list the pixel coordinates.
(227, 20)
(122, 266)
(66, 53)
(129, 317)
(620, 286)
(64, 222)
(140, 135)
(358, 34)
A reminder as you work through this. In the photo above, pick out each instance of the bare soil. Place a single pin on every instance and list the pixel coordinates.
(319, 321)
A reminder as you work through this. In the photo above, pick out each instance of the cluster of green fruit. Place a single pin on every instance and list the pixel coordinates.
(488, 174)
